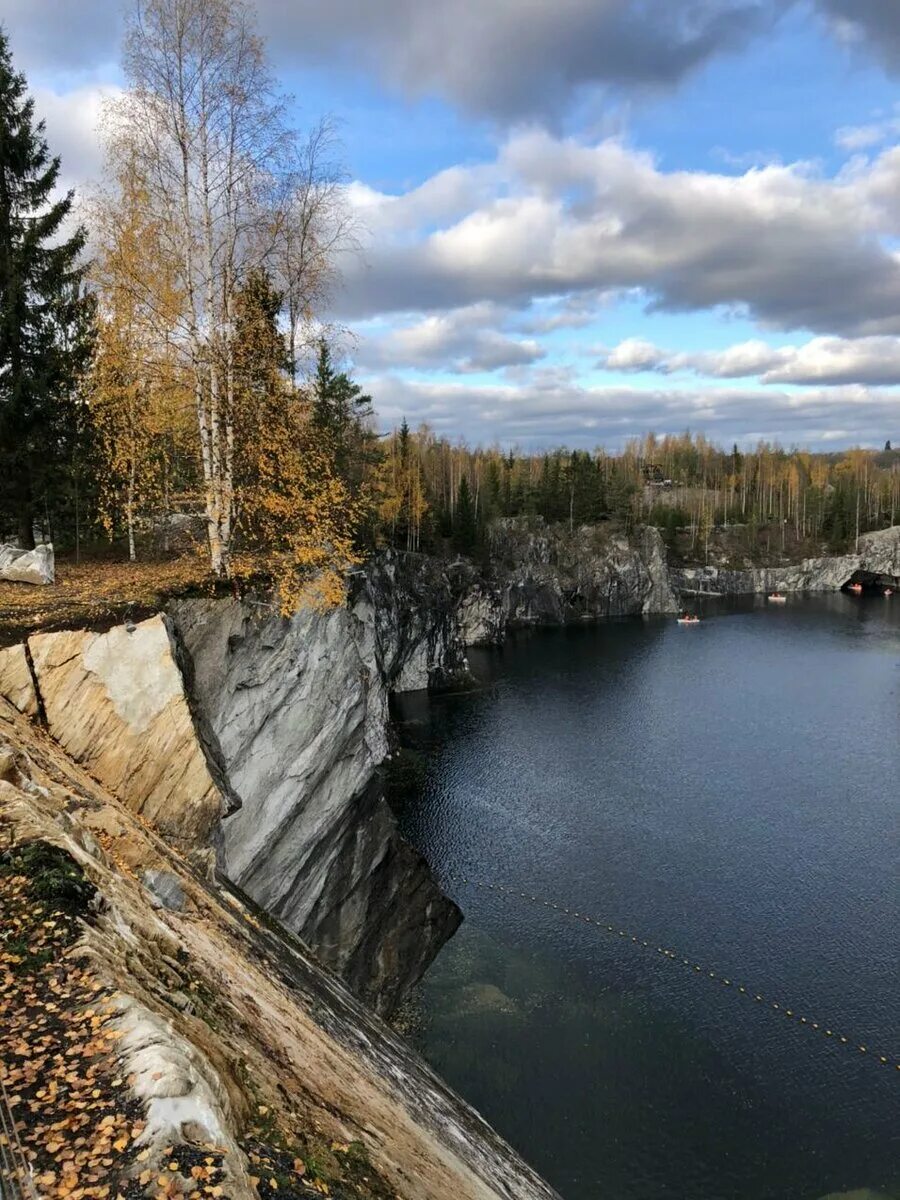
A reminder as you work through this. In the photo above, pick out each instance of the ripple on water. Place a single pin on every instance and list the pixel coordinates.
(732, 795)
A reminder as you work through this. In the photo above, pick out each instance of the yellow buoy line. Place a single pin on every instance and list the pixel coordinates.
(673, 956)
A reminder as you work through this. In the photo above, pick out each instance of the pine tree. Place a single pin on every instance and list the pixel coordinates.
(40, 301)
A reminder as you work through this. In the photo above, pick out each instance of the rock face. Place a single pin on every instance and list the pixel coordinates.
(548, 574)
(299, 712)
(481, 615)
(16, 682)
(221, 1016)
(411, 604)
(27, 566)
(116, 703)
(879, 554)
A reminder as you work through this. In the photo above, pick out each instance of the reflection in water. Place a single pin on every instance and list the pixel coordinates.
(729, 790)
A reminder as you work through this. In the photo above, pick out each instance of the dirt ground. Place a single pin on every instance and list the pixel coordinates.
(97, 593)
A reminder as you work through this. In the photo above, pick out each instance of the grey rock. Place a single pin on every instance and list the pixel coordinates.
(481, 616)
(299, 710)
(549, 574)
(165, 890)
(27, 566)
(879, 554)
(410, 602)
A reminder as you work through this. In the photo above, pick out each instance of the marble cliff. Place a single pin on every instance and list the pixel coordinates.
(217, 756)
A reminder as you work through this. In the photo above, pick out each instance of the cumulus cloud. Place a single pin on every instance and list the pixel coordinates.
(508, 60)
(873, 360)
(823, 361)
(464, 341)
(854, 138)
(552, 411)
(635, 354)
(554, 216)
(736, 362)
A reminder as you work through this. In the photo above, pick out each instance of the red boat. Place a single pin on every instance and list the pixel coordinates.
(855, 587)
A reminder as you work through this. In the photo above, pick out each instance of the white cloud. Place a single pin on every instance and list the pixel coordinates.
(552, 410)
(62, 37)
(884, 127)
(821, 361)
(557, 217)
(635, 354)
(873, 360)
(862, 137)
(463, 341)
(73, 120)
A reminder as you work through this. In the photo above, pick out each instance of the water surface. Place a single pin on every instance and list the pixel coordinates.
(728, 791)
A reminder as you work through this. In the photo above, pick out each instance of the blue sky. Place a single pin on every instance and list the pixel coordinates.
(587, 220)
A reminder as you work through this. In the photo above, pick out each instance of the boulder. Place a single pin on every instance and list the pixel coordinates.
(27, 566)
(164, 889)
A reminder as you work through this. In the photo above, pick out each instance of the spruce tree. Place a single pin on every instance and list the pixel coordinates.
(465, 525)
(341, 412)
(40, 300)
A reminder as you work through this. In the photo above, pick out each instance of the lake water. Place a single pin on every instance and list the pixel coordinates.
(728, 792)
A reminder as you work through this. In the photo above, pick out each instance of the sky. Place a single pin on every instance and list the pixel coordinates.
(586, 220)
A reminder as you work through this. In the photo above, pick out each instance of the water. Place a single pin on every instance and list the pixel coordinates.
(729, 791)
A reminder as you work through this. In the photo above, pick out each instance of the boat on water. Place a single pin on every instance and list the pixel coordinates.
(889, 591)
(855, 588)
(776, 598)
(688, 619)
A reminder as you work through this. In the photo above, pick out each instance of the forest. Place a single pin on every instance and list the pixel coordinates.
(169, 382)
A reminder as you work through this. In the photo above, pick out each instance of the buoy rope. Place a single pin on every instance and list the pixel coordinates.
(673, 956)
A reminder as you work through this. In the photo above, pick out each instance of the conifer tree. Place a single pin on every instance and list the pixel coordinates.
(465, 527)
(341, 412)
(40, 302)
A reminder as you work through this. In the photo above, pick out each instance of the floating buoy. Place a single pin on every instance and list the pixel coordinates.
(788, 1012)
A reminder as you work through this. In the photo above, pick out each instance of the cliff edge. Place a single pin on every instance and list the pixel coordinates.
(161, 1036)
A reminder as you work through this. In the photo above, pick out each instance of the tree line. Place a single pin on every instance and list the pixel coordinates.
(163, 358)
(440, 492)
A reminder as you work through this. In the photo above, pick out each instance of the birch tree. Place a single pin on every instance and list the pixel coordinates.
(136, 386)
(205, 124)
